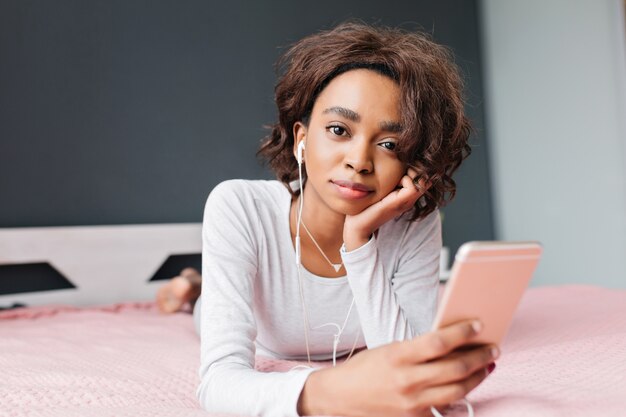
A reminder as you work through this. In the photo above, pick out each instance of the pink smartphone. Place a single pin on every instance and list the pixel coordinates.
(487, 282)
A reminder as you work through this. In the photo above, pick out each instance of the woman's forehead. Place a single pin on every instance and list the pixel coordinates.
(360, 94)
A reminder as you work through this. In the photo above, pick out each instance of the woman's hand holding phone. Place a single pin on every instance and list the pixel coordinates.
(358, 228)
(402, 378)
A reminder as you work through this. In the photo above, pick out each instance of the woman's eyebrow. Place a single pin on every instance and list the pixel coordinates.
(342, 111)
(387, 126)
(392, 127)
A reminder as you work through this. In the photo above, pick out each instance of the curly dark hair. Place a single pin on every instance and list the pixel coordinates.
(435, 134)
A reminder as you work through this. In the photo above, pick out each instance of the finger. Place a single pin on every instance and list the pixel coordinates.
(449, 393)
(419, 181)
(408, 182)
(407, 195)
(437, 343)
(416, 182)
(399, 186)
(420, 184)
(456, 366)
(399, 200)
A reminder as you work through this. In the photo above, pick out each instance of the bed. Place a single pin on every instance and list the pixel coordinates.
(565, 355)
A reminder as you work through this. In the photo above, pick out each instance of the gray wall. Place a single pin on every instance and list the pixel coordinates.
(125, 112)
(557, 116)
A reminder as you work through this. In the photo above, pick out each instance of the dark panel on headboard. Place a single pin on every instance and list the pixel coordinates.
(174, 264)
(31, 277)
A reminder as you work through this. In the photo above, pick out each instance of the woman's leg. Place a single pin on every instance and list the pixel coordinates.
(179, 291)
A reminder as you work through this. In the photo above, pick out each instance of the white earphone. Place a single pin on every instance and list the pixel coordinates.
(299, 158)
(337, 336)
(300, 152)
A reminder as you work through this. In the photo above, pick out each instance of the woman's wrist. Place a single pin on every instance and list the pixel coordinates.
(355, 233)
(352, 242)
(315, 399)
(355, 237)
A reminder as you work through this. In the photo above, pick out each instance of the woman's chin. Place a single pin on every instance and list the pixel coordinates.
(351, 209)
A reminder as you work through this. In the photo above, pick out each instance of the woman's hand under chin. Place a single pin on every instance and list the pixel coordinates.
(358, 228)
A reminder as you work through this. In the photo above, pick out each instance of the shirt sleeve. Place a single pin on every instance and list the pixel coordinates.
(403, 306)
(228, 381)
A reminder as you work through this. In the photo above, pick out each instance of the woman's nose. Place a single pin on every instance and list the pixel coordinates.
(358, 157)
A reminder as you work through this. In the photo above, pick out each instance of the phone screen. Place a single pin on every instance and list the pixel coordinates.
(487, 282)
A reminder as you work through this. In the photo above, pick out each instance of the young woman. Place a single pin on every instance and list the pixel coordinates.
(340, 257)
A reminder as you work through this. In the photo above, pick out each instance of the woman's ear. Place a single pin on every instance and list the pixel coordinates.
(299, 134)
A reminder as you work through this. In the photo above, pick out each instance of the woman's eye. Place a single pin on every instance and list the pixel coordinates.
(337, 130)
(389, 145)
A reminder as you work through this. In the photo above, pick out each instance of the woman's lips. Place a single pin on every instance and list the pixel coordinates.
(351, 190)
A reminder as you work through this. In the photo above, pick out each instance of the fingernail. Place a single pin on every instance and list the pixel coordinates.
(495, 352)
(491, 367)
(477, 326)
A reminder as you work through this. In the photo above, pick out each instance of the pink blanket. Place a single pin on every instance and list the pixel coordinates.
(565, 355)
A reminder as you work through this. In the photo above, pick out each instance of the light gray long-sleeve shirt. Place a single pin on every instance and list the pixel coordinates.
(251, 298)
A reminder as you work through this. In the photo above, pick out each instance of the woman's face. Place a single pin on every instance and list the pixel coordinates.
(350, 156)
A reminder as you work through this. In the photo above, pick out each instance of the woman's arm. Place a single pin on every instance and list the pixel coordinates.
(403, 378)
(228, 381)
(397, 304)
(401, 306)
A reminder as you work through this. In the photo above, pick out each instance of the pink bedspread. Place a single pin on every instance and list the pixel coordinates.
(565, 355)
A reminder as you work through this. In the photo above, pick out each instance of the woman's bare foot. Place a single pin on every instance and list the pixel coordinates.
(180, 290)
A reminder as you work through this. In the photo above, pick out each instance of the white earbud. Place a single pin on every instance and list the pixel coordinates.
(299, 158)
(300, 152)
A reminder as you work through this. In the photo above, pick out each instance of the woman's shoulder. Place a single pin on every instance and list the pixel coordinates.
(403, 229)
(246, 192)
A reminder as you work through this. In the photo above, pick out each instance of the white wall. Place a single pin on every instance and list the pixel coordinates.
(555, 76)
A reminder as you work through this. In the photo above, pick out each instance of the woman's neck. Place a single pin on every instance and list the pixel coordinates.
(325, 224)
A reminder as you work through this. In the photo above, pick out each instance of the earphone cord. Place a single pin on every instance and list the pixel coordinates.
(305, 311)
(299, 216)
(338, 334)
(336, 267)
(470, 409)
(305, 317)
(298, 255)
